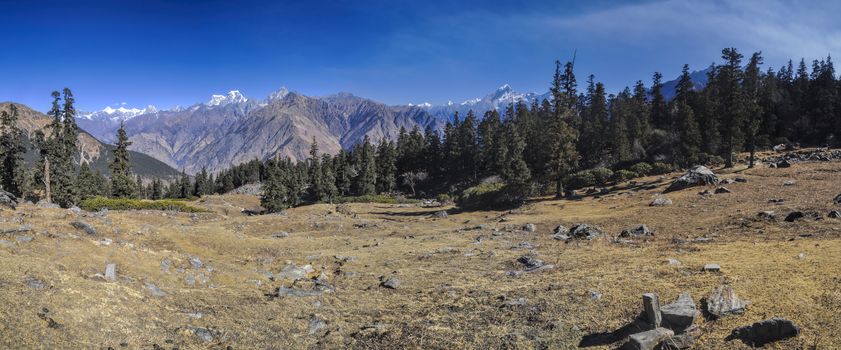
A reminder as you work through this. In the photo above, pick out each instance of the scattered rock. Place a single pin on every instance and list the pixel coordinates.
(648, 340)
(584, 231)
(154, 290)
(294, 292)
(723, 301)
(529, 228)
(696, 176)
(837, 199)
(705, 193)
(651, 307)
(834, 214)
(111, 272)
(767, 215)
(44, 314)
(680, 314)
(23, 239)
(637, 231)
(390, 282)
(75, 210)
(34, 283)
(84, 226)
(595, 295)
(196, 262)
(203, 333)
(317, 326)
(5, 243)
(165, 265)
(776, 201)
(794, 216)
(440, 214)
(514, 302)
(673, 262)
(660, 201)
(765, 332)
(711, 268)
(8, 200)
(782, 164)
(721, 190)
(801, 256)
(789, 183)
(281, 234)
(294, 272)
(560, 233)
(741, 180)
(530, 263)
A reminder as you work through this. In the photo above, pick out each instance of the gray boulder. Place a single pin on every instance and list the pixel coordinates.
(47, 205)
(111, 272)
(834, 214)
(584, 231)
(649, 340)
(560, 233)
(765, 332)
(794, 216)
(723, 301)
(636, 231)
(530, 263)
(660, 201)
(281, 234)
(836, 200)
(722, 190)
(440, 214)
(696, 176)
(390, 282)
(84, 226)
(8, 200)
(680, 314)
(529, 228)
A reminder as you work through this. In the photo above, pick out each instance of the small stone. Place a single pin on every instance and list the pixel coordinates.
(154, 290)
(637, 231)
(767, 215)
(515, 302)
(529, 228)
(765, 332)
(111, 272)
(794, 216)
(293, 292)
(584, 231)
(317, 325)
(801, 256)
(84, 226)
(440, 214)
(390, 283)
(673, 262)
(34, 283)
(203, 333)
(711, 268)
(660, 201)
(789, 183)
(741, 180)
(648, 340)
(23, 239)
(196, 262)
(723, 301)
(595, 295)
(530, 262)
(281, 234)
(165, 265)
(834, 214)
(722, 190)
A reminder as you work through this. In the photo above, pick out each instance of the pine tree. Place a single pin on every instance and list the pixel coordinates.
(12, 149)
(513, 169)
(733, 103)
(316, 189)
(200, 185)
(564, 154)
(387, 166)
(122, 184)
(275, 193)
(329, 191)
(157, 189)
(659, 115)
(185, 189)
(367, 179)
(87, 183)
(685, 124)
(753, 109)
(141, 190)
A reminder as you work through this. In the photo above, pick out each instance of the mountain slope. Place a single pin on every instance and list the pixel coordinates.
(91, 150)
(232, 129)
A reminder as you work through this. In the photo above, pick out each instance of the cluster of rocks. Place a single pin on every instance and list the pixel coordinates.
(670, 326)
(786, 160)
(8, 200)
(576, 232)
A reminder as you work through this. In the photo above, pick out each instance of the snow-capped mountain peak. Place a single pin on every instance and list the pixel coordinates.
(279, 94)
(117, 114)
(234, 96)
(421, 105)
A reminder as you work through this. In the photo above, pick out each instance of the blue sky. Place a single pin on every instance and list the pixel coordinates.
(180, 52)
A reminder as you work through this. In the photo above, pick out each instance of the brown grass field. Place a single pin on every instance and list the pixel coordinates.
(453, 272)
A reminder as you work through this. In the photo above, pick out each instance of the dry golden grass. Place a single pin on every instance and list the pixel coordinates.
(452, 288)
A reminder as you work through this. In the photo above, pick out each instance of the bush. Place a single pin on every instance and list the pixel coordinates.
(623, 175)
(98, 203)
(601, 175)
(580, 180)
(642, 169)
(444, 198)
(710, 159)
(491, 195)
(377, 198)
(660, 168)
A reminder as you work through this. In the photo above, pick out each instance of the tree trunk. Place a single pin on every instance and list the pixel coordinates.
(559, 188)
(47, 179)
(728, 158)
(752, 155)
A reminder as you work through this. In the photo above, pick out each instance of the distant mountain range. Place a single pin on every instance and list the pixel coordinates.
(231, 128)
(97, 154)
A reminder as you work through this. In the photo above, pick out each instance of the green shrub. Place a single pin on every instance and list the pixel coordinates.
(98, 203)
(377, 198)
(710, 159)
(660, 168)
(444, 198)
(580, 180)
(601, 175)
(623, 175)
(492, 195)
(642, 169)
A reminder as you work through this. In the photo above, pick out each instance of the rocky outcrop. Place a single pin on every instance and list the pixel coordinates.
(765, 332)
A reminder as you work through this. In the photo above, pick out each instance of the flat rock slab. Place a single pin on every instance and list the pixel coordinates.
(648, 340)
(292, 292)
(712, 268)
(723, 301)
(111, 272)
(636, 231)
(84, 226)
(764, 332)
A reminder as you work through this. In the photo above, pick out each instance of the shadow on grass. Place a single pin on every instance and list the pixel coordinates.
(607, 338)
